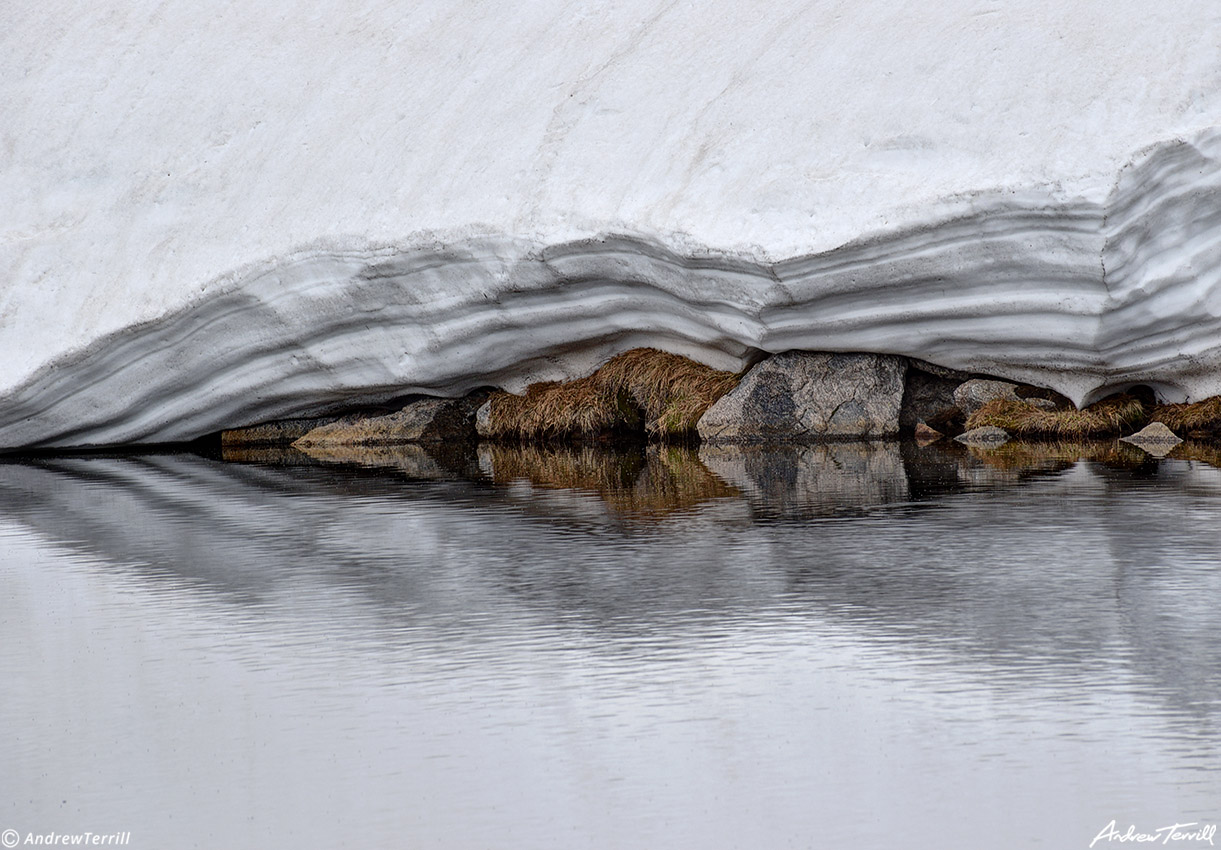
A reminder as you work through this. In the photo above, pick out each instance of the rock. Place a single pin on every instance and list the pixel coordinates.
(1041, 403)
(926, 435)
(798, 396)
(974, 394)
(987, 436)
(1155, 438)
(483, 419)
(929, 396)
(1154, 432)
(280, 432)
(428, 420)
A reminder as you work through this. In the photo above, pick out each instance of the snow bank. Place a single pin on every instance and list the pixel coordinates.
(216, 214)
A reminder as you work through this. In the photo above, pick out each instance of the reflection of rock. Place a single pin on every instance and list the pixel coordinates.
(269, 454)
(802, 396)
(974, 394)
(810, 480)
(988, 435)
(415, 461)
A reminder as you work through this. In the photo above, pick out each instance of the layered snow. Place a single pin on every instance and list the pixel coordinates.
(215, 214)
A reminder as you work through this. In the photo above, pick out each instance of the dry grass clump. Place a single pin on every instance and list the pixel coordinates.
(1198, 416)
(554, 410)
(1118, 414)
(672, 391)
(647, 390)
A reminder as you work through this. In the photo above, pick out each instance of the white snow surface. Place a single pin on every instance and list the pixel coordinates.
(217, 213)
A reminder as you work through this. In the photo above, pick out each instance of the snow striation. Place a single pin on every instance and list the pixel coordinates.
(218, 215)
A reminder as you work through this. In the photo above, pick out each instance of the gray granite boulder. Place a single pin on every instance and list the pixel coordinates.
(974, 394)
(279, 432)
(428, 420)
(929, 396)
(483, 420)
(925, 433)
(798, 396)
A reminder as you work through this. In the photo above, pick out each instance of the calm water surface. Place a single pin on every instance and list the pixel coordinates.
(849, 646)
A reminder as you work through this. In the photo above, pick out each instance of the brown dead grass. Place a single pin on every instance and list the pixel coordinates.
(1182, 418)
(554, 410)
(647, 390)
(1119, 414)
(672, 391)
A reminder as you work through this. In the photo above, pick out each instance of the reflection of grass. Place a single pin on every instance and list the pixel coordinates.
(1118, 414)
(1209, 453)
(1057, 454)
(657, 482)
(643, 389)
(567, 467)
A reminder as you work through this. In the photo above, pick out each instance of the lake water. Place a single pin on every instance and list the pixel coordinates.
(854, 646)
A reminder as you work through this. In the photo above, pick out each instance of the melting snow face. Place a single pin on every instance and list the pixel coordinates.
(219, 215)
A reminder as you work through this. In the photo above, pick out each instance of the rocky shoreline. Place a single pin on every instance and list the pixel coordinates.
(794, 397)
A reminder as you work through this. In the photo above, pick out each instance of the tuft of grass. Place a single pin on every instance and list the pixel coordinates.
(1115, 415)
(1199, 416)
(644, 389)
(554, 410)
(672, 391)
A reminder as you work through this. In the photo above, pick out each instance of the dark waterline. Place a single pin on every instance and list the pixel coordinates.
(865, 645)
